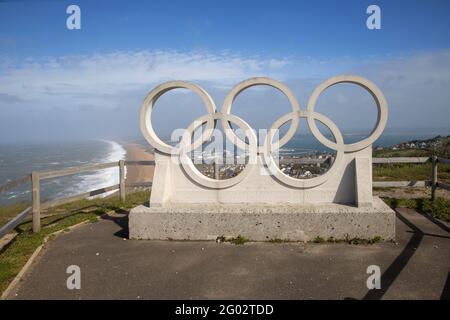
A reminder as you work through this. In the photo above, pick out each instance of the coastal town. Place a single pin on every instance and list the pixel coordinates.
(300, 167)
(426, 144)
(314, 164)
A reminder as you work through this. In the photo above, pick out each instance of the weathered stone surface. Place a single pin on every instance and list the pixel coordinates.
(262, 222)
(172, 185)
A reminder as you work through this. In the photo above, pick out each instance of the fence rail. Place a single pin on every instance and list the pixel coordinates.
(443, 186)
(442, 160)
(14, 222)
(58, 202)
(35, 177)
(75, 170)
(401, 160)
(389, 184)
(374, 160)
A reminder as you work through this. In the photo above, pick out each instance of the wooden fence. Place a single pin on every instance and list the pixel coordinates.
(36, 176)
(433, 182)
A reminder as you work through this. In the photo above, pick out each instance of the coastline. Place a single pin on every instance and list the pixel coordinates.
(136, 174)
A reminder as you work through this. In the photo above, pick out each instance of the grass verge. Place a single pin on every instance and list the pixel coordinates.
(235, 240)
(348, 240)
(409, 171)
(9, 212)
(14, 257)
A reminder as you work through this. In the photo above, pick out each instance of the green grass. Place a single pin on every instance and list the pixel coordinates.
(360, 241)
(9, 212)
(409, 171)
(348, 240)
(387, 153)
(318, 240)
(236, 240)
(420, 171)
(440, 208)
(277, 240)
(13, 258)
(109, 203)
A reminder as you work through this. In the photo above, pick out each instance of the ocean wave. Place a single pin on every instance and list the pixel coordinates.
(105, 177)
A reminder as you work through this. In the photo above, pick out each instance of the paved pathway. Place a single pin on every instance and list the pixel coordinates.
(114, 268)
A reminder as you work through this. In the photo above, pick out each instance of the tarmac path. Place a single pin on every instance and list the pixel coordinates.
(113, 267)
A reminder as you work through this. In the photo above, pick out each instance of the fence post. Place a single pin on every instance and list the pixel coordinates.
(36, 200)
(216, 170)
(122, 180)
(434, 175)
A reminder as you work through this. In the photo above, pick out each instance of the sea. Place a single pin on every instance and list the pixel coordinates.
(20, 158)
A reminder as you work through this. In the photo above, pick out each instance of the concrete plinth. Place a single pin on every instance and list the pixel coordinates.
(263, 222)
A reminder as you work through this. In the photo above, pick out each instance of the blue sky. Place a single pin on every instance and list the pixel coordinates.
(312, 28)
(53, 78)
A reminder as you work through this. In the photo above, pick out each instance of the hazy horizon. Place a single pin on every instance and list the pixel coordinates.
(405, 132)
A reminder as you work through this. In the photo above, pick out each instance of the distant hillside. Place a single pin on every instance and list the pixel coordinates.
(438, 145)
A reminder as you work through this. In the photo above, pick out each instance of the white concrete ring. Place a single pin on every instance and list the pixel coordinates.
(149, 103)
(236, 90)
(380, 101)
(275, 171)
(201, 179)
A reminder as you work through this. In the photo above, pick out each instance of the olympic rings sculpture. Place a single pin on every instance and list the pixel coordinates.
(266, 150)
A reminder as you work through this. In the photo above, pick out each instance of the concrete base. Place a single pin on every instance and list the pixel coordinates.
(263, 223)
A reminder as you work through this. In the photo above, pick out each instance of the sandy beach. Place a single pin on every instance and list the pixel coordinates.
(138, 173)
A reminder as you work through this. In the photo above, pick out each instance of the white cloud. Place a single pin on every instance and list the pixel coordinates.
(89, 79)
(416, 86)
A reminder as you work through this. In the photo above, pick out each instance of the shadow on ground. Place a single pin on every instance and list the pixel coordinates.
(114, 267)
